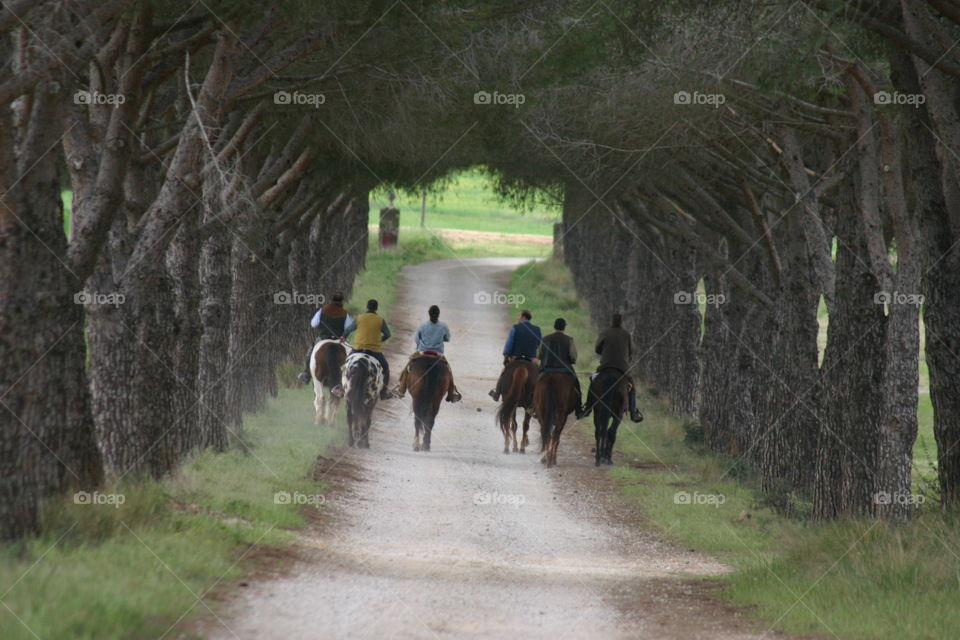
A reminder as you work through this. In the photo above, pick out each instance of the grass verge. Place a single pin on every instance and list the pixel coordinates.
(136, 568)
(847, 580)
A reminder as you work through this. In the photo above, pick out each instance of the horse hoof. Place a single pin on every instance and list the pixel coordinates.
(416, 447)
(597, 463)
(522, 450)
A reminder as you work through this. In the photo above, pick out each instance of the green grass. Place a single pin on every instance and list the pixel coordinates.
(854, 579)
(468, 202)
(101, 571)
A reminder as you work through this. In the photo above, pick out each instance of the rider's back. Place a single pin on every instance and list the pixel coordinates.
(367, 337)
(526, 340)
(614, 347)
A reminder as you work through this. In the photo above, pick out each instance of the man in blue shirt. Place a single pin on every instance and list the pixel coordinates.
(429, 338)
(522, 342)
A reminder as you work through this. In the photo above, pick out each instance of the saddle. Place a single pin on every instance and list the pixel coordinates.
(431, 354)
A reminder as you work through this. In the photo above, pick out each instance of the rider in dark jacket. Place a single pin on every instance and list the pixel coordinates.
(615, 348)
(522, 342)
(558, 352)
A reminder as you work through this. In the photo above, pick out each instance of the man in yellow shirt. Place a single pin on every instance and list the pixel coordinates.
(371, 331)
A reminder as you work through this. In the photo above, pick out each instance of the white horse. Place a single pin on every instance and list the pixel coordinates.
(326, 360)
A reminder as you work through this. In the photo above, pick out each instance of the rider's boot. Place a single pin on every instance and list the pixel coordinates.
(493, 394)
(401, 387)
(635, 414)
(337, 391)
(304, 375)
(585, 410)
(453, 395)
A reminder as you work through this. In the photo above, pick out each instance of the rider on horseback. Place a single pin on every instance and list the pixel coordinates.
(331, 320)
(372, 331)
(558, 352)
(615, 348)
(430, 337)
(522, 342)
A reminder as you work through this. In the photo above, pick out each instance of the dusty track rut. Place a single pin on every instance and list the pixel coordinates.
(466, 542)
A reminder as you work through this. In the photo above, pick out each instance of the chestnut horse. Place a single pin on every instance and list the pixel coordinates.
(554, 398)
(517, 382)
(428, 379)
(326, 360)
(609, 401)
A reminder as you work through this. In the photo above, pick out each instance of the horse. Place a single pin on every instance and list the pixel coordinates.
(517, 381)
(609, 400)
(362, 380)
(326, 359)
(554, 398)
(428, 379)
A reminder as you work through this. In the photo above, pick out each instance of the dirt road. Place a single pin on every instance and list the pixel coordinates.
(466, 542)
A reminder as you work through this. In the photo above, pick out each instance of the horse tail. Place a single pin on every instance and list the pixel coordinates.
(511, 396)
(358, 383)
(424, 401)
(550, 406)
(331, 365)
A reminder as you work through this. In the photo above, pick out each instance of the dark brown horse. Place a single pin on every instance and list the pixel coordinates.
(428, 380)
(517, 382)
(554, 398)
(609, 400)
(326, 360)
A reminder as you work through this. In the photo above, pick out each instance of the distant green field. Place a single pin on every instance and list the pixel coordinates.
(467, 203)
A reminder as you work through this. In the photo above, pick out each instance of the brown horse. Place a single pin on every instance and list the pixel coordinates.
(554, 398)
(609, 400)
(428, 379)
(517, 381)
(326, 360)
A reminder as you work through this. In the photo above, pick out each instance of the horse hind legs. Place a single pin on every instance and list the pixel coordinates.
(427, 432)
(524, 441)
(416, 436)
(318, 406)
